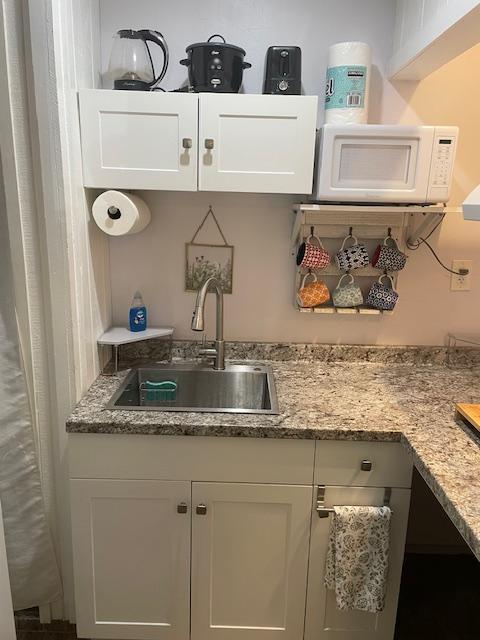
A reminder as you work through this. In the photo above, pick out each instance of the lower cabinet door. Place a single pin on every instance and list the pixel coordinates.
(323, 620)
(131, 543)
(249, 560)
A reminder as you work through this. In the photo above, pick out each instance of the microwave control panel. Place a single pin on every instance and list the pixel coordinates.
(443, 155)
(443, 158)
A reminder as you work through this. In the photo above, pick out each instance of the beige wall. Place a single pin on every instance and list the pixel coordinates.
(259, 226)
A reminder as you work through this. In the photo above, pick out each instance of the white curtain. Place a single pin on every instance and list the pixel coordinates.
(34, 574)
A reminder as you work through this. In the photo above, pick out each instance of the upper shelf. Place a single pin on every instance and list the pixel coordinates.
(372, 218)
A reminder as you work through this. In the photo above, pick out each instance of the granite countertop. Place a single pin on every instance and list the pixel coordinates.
(382, 401)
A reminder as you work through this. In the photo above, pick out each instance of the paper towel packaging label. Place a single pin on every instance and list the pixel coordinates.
(346, 87)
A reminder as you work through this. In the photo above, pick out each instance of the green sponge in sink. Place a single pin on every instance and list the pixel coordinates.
(165, 391)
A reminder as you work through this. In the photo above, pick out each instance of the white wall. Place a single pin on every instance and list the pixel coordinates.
(259, 225)
(255, 25)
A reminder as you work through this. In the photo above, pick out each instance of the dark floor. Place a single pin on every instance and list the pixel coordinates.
(439, 600)
(30, 628)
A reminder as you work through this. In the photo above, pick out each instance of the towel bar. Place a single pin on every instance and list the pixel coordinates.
(324, 512)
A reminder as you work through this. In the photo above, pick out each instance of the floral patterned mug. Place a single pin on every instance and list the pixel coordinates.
(353, 257)
(348, 295)
(311, 294)
(312, 254)
(388, 256)
(382, 296)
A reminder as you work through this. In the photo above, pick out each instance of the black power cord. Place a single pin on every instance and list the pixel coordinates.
(420, 241)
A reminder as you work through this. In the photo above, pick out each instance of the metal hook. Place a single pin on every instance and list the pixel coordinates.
(350, 231)
(389, 232)
(312, 231)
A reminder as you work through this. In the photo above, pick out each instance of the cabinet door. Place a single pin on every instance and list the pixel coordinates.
(249, 561)
(131, 551)
(323, 620)
(139, 140)
(262, 144)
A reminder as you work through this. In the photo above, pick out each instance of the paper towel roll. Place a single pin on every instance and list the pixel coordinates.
(119, 214)
(348, 80)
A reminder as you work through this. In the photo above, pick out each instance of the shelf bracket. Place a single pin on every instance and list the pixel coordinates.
(297, 225)
(430, 220)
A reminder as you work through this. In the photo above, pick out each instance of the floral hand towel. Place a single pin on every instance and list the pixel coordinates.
(357, 557)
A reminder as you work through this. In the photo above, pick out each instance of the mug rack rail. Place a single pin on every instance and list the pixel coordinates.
(329, 309)
(371, 224)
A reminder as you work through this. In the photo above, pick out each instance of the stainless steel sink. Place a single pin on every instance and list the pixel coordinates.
(199, 388)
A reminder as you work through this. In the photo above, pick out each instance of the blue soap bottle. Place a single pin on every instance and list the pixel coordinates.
(138, 313)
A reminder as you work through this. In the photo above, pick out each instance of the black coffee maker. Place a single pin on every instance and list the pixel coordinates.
(283, 71)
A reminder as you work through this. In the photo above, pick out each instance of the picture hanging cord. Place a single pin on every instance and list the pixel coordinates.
(420, 241)
(200, 226)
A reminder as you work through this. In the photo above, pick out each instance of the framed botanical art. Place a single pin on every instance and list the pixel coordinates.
(208, 260)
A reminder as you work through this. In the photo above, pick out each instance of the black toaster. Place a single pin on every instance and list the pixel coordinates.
(283, 71)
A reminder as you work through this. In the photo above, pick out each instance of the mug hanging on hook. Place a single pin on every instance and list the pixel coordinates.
(387, 256)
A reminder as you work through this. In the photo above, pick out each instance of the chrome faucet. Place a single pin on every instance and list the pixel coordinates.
(198, 321)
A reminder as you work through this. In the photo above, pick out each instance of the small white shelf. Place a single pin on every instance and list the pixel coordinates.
(116, 336)
(120, 335)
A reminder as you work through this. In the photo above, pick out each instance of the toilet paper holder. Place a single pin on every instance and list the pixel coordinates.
(117, 213)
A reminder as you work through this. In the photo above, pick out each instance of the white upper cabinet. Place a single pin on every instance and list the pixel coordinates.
(250, 143)
(430, 33)
(139, 140)
(256, 143)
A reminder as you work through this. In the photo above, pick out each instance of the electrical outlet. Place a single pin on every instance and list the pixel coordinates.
(461, 283)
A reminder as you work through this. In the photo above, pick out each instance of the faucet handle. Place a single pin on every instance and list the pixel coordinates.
(207, 353)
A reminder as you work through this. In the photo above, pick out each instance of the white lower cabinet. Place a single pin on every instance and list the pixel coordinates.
(131, 557)
(219, 538)
(323, 620)
(249, 561)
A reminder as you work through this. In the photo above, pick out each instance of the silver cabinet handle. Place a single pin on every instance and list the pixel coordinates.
(201, 509)
(182, 507)
(209, 143)
(187, 143)
(366, 465)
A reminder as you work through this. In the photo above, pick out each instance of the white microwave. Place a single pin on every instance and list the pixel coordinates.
(384, 163)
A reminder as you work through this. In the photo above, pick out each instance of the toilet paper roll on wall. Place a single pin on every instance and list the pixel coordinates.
(348, 81)
(120, 214)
